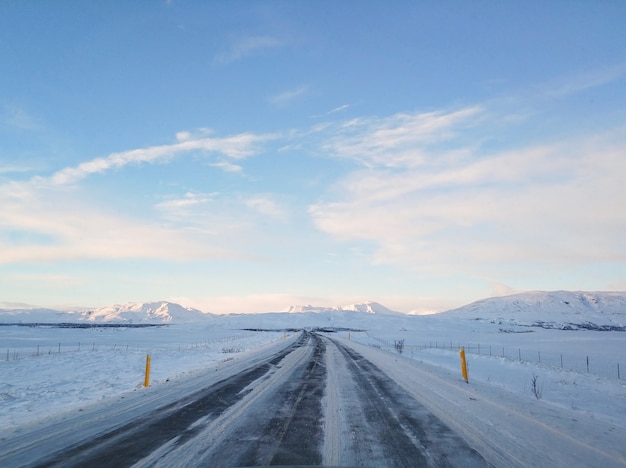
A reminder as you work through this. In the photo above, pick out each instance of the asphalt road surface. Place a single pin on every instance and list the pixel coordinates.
(316, 402)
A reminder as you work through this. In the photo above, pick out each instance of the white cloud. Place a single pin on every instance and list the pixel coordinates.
(51, 225)
(399, 140)
(13, 168)
(516, 210)
(227, 166)
(41, 223)
(245, 46)
(340, 108)
(266, 206)
(236, 147)
(183, 136)
(189, 200)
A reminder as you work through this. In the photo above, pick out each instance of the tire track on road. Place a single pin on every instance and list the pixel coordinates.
(132, 442)
(390, 428)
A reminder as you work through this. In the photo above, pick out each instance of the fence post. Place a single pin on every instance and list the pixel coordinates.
(618, 377)
(146, 381)
(587, 364)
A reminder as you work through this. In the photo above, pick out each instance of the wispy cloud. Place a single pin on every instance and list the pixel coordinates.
(287, 97)
(333, 111)
(236, 147)
(19, 118)
(75, 230)
(50, 225)
(245, 46)
(398, 140)
(227, 166)
(339, 109)
(266, 206)
(41, 223)
(583, 81)
(467, 212)
(13, 168)
(189, 200)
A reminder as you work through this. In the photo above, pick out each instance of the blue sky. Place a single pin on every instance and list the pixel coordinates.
(246, 156)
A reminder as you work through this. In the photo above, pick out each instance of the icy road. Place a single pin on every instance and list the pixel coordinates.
(313, 401)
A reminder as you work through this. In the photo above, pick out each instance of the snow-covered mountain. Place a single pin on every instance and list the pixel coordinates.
(556, 309)
(551, 309)
(131, 313)
(365, 307)
(145, 312)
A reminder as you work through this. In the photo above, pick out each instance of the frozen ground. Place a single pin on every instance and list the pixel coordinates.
(100, 364)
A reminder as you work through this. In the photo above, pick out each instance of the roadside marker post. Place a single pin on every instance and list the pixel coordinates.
(146, 381)
(463, 364)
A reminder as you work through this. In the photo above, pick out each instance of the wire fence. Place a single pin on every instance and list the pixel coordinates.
(586, 364)
(24, 352)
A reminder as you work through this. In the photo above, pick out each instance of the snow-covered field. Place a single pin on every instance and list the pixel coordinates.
(102, 363)
(46, 371)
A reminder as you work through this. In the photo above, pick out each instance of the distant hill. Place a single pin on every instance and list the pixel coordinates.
(365, 307)
(131, 313)
(551, 309)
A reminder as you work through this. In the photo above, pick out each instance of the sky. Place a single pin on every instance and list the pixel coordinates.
(242, 156)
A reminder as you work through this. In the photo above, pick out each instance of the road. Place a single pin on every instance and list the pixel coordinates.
(314, 402)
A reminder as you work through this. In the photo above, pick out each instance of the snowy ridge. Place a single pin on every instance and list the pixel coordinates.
(366, 307)
(36, 316)
(556, 309)
(145, 312)
(131, 313)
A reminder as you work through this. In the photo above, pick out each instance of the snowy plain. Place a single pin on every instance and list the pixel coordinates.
(48, 371)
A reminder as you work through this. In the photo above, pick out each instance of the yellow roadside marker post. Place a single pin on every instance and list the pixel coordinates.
(146, 381)
(463, 364)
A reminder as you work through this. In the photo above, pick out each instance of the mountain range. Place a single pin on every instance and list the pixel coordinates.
(366, 307)
(162, 312)
(547, 309)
